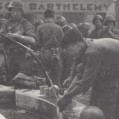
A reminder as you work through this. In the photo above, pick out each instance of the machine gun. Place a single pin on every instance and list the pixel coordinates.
(39, 61)
(33, 54)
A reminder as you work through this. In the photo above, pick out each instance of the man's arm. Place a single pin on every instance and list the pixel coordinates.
(93, 62)
(29, 32)
(73, 71)
(79, 73)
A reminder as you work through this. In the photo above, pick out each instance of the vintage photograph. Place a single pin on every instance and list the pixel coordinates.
(59, 59)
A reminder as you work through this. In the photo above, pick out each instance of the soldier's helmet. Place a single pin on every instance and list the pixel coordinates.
(79, 25)
(73, 25)
(92, 112)
(97, 17)
(15, 4)
(110, 18)
(85, 25)
(61, 21)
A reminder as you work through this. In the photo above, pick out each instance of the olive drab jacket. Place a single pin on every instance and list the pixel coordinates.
(114, 33)
(101, 64)
(96, 33)
(22, 27)
(49, 35)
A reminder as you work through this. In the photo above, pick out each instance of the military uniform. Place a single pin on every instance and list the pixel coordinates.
(67, 60)
(49, 36)
(66, 28)
(96, 33)
(98, 23)
(107, 34)
(110, 31)
(101, 68)
(14, 54)
(84, 29)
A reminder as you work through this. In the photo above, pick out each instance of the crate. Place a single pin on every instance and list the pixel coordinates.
(26, 99)
(33, 101)
(7, 95)
(46, 106)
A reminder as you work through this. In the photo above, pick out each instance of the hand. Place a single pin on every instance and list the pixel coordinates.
(65, 92)
(27, 55)
(67, 82)
(14, 35)
(63, 102)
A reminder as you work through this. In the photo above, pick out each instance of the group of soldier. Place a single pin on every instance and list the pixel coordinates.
(95, 65)
(75, 57)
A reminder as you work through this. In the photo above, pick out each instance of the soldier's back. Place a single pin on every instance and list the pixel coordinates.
(50, 34)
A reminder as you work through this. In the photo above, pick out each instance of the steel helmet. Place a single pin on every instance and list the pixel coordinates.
(15, 4)
(86, 25)
(92, 112)
(79, 25)
(97, 17)
(61, 21)
(110, 18)
(73, 25)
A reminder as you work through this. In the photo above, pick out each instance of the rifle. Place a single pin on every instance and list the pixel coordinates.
(39, 61)
(33, 54)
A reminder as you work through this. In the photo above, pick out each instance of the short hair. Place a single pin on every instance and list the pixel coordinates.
(49, 13)
(71, 37)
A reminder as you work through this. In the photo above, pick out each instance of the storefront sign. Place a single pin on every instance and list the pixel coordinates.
(61, 7)
(69, 7)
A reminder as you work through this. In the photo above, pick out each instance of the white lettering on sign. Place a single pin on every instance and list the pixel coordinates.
(69, 7)
(60, 7)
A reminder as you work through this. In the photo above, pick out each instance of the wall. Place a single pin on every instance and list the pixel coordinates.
(74, 10)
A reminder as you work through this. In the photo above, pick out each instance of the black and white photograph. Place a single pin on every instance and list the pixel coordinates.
(59, 59)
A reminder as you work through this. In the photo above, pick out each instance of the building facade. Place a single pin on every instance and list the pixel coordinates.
(75, 11)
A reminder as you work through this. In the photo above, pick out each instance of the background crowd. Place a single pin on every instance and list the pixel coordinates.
(49, 38)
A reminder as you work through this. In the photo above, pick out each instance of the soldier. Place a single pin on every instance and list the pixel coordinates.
(101, 66)
(98, 23)
(49, 36)
(73, 25)
(84, 29)
(110, 31)
(61, 21)
(37, 23)
(66, 59)
(19, 29)
(92, 112)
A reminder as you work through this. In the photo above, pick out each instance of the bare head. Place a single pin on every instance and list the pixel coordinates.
(49, 14)
(73, 43)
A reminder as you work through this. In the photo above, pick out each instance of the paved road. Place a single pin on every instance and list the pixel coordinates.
(12, 112)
